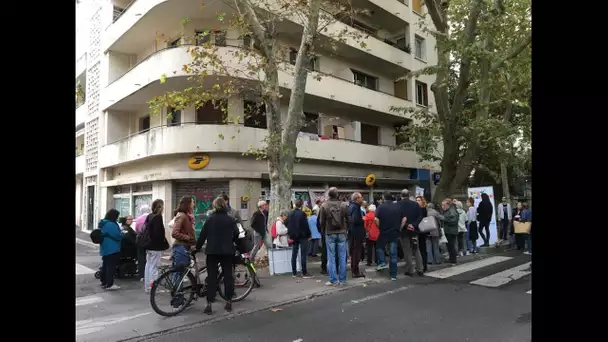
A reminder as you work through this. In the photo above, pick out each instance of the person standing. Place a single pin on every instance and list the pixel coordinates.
(520, 239)
(409, 238)
(484, 216)
(183, 233)
(432, 241)
(372, 232)
(220, 232)
(450, 218)
(259, 222)
(473, 234)
(315, 236)
(154, 241)
(504, 215)
(144, 211)
(390, 219)
(422, 237)
(463, 218)
(109, 249)
(356, 233)
(281, 240)
(333, 220)
(299, 232)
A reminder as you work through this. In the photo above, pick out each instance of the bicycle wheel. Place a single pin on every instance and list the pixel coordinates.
(243, 283)
(178, 299)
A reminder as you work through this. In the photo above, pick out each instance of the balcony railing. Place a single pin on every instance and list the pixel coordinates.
(118, 12)
(185, 138)
(286, 60)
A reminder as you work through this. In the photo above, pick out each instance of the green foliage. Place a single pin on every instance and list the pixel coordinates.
(482, 90)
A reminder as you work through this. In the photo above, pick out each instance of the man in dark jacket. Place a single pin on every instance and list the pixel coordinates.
(450, 219)
(409, 238)
(485, 209)
(259, 222)
(356, 233)
(298, 231)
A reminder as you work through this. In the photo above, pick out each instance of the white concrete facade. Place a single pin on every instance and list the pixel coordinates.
(124, 163)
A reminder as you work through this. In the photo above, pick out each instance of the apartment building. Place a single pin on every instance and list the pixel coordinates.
(131, 157)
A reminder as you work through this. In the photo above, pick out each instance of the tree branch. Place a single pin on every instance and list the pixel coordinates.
(438, 19)
(519, 48)
(259, 31)
(470, 32)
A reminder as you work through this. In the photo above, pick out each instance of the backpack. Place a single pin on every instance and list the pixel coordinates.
(335, 216)
(143, 238)
(96, 236)
(273, 230)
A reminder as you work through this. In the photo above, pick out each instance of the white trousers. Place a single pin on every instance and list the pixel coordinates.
(151, 270)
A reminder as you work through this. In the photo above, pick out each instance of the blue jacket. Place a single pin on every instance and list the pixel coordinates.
(314, 230)
(526, 215)
(112, 237)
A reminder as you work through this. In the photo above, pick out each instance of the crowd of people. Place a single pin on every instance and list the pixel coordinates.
(406, 228)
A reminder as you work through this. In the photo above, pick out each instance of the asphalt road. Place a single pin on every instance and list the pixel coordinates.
(409, 309)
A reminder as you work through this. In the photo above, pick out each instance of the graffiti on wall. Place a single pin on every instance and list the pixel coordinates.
(202, 206)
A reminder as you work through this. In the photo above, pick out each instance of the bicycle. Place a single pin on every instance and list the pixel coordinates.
(184, 285)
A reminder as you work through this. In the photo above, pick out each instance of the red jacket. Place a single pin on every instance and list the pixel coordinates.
(370, 226)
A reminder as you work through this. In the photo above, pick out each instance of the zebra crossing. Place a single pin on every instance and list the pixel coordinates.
(491, 272)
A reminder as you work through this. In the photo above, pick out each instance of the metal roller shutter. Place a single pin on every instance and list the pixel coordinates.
(204, 193)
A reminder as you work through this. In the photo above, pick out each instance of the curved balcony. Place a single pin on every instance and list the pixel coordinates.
(192, 138)
(139, 23)
(143, 82)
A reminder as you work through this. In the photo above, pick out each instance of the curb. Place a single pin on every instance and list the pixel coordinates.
(190, 326)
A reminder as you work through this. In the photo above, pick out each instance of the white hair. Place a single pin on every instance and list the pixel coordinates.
(144, 209)
(355, 195)
(458, 204)
(371, 208)
(261, 204)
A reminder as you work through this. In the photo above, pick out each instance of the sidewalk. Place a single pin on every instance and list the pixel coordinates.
(126, 314)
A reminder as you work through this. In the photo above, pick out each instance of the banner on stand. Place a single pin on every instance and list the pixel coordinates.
(475, 193)
(419, 191)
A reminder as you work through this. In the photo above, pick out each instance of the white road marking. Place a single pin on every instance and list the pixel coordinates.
(529, 292)
(378, 295)
(504, 277)
(89, 326)
(83, 270)
(86, 243)
(298, 340)
(469, 266)
(88, 300)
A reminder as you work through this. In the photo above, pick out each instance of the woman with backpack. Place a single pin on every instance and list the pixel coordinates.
(152, 239)
(279, 231)
(109, 249)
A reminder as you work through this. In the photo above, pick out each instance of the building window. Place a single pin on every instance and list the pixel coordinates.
(212, 113)
(365, 80)
(247, 41)
(202, 37)
(255, 114)
(420, 48)
(400, 137)
(174, 117)
(175, 43)
(219, 37)
(369, 134)
(422, 96)
(401, 44)
(293, 55)
(117, 12)
(144, 124)
(311, 123)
